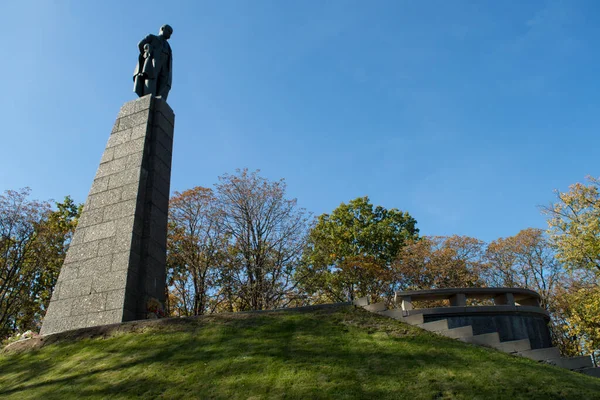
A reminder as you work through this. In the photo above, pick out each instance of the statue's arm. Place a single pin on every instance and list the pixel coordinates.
(143, 42)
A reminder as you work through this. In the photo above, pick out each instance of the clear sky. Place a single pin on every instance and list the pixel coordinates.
(466, 114)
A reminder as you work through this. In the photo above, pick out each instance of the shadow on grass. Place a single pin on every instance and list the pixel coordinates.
(322, 354)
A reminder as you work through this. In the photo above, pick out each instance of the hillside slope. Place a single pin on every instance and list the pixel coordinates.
(320, 352)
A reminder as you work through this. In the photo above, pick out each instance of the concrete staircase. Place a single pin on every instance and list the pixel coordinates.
(522, 347)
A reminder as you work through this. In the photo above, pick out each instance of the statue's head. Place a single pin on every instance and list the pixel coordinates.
(166, 31)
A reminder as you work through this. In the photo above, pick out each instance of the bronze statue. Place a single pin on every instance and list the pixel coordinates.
(154, 71)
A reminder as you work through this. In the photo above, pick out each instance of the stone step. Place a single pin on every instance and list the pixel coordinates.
(486, 339)
(396, 313)
(547, 353)
(376, 307)
(572, 363)
(514, 346)
(416, 319)
(361, 301)
(458, 333)
(435, 326)
(595, 372)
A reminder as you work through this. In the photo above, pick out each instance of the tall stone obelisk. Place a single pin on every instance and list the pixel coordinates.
(116, 261)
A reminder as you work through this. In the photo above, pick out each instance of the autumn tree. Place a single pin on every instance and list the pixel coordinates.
(580, 309)
(267, 233)
(350, 251)
(574, 225)
(439, 262)
(33, 244)
(525, 260)
(196, 244)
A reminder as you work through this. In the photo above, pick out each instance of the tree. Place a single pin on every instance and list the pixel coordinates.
(350, 251)
(439, 262)
(267, 234)
(196, 244)
(574, 225)
(525, 260)
(33, 242)
(582, 315)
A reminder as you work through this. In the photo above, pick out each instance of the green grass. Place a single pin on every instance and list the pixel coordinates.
(339, 352)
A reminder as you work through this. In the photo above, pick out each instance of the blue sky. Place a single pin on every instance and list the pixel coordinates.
(466, 114)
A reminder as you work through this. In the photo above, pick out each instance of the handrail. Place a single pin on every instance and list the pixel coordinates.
(458, 296)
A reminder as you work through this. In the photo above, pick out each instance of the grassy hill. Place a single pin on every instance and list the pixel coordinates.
(311, 353)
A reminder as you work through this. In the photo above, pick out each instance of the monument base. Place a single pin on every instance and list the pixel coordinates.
(116, 263)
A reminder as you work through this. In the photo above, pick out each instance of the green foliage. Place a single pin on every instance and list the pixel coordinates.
(574, 225)
(350, 251)
(33, 241)
(328, 353)
(584, 316)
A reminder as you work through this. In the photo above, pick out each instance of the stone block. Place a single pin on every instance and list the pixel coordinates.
(163, 123)
(593, 371)
(78, 236)
(487, 339)
(130, 191)
(458, 333)
(435, 326)
(122, 260)
(120, 210)
(507, 299)
(103, 199)
(547, 353)
(100, 231)
(110, 280)
(414, 319)
(162, 169)
(80, 252)
(167, 112)
(164, 139)
(163, 154)
(131, 175)
(514, 346)
(118, 138)
(125, 243)
(76, 288)
(111, 167)
(99, 185)
(161, 185)
(134, 160)
(376, 307)
(105, 317)
(132, 120)
(60, 308)
(92, 303)
(458, 300)
(130, 147)
(139, 131)
(572, 363)
(90, 218)
(396, 314)
(108, 155)
(115, 299)
(69, 271)
(63, 324)
(361, 301)
(107, 246)
(95, 266)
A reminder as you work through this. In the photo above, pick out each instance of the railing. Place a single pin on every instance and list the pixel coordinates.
(506, 297)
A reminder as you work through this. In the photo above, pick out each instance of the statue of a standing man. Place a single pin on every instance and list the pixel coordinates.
(154, 71)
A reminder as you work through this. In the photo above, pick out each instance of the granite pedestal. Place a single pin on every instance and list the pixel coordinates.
(116, 261)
